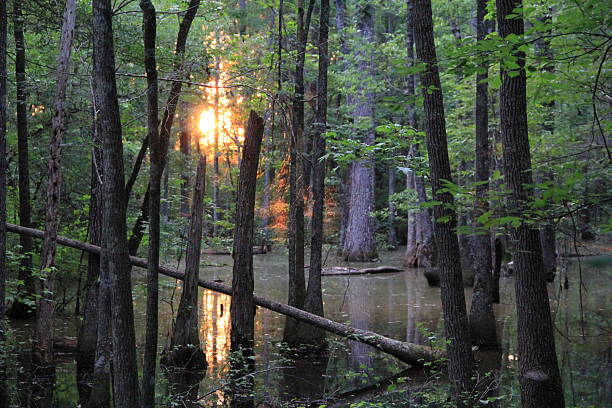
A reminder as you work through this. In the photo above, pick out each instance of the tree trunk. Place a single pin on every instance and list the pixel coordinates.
(115, 254)
(360, 242)
(538, 370)
(421, 253)
(242, 311)
(167, 119)
(314, 293)
(412, 354)
(461, 360)
(297, 283)
(266, 197)
(21, 309)
(391, 233)
(4, 397)
(43, 350)
(88, 331)
(482, 318)
(149, 24)
(216, 149)
(185, 351)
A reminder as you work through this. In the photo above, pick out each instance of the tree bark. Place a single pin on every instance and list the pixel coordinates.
(43, 350)
(167, 119)
(3, 190)
(149, 24)
(538, 370)
(115, 254)
(314, 293)
(21, 309)
(215, 197)
(360, 242)
(185, 351)
(461, 359)
(242, 310)
(412, 354)
(482, 318)
(88, 331)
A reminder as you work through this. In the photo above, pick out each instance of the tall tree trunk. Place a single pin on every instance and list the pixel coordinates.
(88, 331)
(297, 282)
(115, 254)
(167, 119)
(391, 232)
(461, 360)
(360, 242)
(185, 351)
(3, 170)
(314, 293)
(43, 350)
(20, 308)
(149, 24)
(242, 311)
(482, 318)
(538, 370)
(266, 196)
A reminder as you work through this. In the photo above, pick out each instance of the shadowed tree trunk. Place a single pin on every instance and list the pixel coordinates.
(215, 196)
(43, 349)
(242, 310)
(360, 242)
(297, 282)
(3, 170)
(18, 308)
(185, 351)
(115, 254)
(482, 318)
(149, 24)
(460, 358)
(167, 119)
(314, 294)
(538, 370)
(88, 332)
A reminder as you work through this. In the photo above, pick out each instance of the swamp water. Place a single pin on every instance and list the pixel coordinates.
(398, 305)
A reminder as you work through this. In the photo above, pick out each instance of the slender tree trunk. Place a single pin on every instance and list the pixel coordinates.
(3, 170)
(149, 24)
(19, 308)
(538, 370)
(266, 197)
(461, 360)
(115, 254)
(88, 332)
(185, 351)
(297, 282)
(360, 242)
(391, 233)
(314, 293)
(43, 351)
(242, 311)
(167, 119)
(482, 318)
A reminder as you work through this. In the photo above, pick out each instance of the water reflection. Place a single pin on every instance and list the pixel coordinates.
(215, 329)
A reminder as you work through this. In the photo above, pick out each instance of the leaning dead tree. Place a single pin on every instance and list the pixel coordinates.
(410, 353)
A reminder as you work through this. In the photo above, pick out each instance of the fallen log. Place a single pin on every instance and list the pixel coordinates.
(413, 354)
(341, 270)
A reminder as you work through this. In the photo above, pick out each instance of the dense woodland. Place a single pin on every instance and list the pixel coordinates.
(164, 164)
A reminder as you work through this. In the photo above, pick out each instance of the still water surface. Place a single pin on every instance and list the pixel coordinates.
(398, 305)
